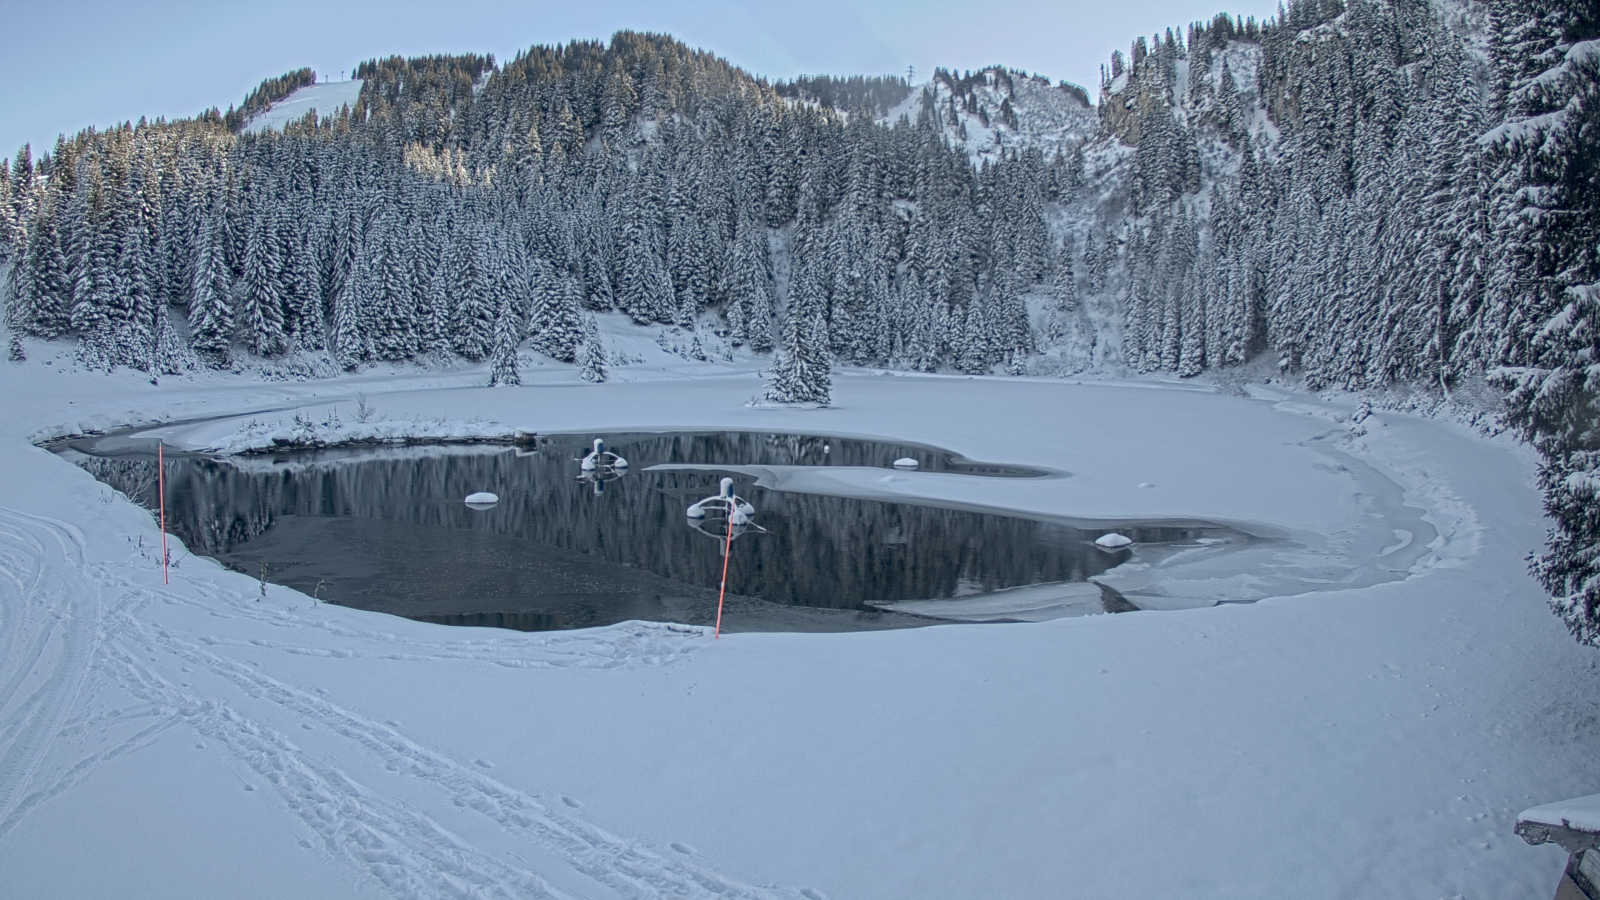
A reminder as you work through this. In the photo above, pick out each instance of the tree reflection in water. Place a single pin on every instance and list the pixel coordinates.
(386, 529)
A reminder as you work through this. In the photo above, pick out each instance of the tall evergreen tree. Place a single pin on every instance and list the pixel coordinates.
(802, 374)
(210, 309)
(592, 358)
(507, 334)
(259, 317)
(1549, 190)
(468, 295)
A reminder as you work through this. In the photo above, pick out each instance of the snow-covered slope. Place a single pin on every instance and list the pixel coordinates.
(997, 110)
(325, 97)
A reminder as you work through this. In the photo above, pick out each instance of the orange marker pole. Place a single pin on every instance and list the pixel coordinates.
(161, 488)
(726, 546)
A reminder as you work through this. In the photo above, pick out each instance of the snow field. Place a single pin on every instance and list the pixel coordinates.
(1366, 741)
(324, 97)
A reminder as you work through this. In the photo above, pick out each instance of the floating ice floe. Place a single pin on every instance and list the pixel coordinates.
(905, 462)
(1112, 541)
(482, 500)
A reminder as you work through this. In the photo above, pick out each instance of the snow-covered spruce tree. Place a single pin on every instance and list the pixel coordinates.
(348, 341)
(468, 296)
(135, 338)
(19, 217)
(972, 347)
(434, 314)
(44, 289)
(259, 305)
(556, 322)
(210, 309)
(802, 372)
(10, 226)
(95, 289)
(750, 297)
(645, 289)
(14, 248)
(301, 280)
(170, 355)
(351, 342)
(592, 356)
(1549, 194)
(388, 308)
(507, 335)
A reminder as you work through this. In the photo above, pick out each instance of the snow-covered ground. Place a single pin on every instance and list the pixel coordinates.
(325, 97)
(1372, 735)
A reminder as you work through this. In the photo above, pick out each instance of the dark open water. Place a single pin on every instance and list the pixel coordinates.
(386, 530)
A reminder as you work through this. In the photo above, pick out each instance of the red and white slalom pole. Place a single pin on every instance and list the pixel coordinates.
(161, 488)
(727, 545)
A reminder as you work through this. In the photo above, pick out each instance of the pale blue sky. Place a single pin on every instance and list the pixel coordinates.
(66, 65)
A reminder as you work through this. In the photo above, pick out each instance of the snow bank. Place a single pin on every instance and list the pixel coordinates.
(304, 431)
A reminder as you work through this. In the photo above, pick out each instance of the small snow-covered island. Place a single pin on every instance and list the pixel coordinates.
(610, 472)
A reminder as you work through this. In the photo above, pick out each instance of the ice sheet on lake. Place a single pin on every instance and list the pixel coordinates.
(1031, 603)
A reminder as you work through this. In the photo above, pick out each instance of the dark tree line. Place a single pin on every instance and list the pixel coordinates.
(448, 214)
(1545, 289)
(874, 95)
(1352, 189)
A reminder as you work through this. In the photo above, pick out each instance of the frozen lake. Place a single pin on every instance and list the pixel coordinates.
(1393, 696)
(386, 530)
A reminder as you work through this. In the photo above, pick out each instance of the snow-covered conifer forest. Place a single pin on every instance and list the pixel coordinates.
(1363, 193)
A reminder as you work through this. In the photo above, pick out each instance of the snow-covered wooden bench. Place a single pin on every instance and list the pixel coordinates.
(1574, 825)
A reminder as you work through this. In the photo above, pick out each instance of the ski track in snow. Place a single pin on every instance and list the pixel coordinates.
(47, 638)
(55, 636)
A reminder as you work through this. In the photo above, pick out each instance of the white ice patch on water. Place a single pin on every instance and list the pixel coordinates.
(1030, 603)
(1403, 540)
